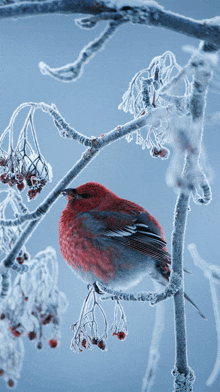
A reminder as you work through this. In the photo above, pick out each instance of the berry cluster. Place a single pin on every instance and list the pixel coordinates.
(22, 257)
(23, 165)
(100, 343)
(156, 152)
(30, 170)
(86, 328)
(146, 93)
(44, 318)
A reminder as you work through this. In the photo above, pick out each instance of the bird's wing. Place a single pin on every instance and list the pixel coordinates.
(132, 232)
(140, 238)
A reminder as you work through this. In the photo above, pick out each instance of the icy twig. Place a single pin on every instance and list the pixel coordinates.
(63, 127)
(71, 72)
(211, 272)
(85, 329)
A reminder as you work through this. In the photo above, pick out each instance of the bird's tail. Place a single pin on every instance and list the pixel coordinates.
(192, 303)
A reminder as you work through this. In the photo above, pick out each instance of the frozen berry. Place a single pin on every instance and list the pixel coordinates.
(164, 153)
(94, 341)
(10, 383)
(121, 335)
(2, 317)
(20, 186)
(19, 177)
(47, 319)
(32, 335)
(1, 372)
(155, 152)
(32, 194)
(4, 178)
(53, 343)
(83, 343)
(3, 161)
(20, 260)
(15, 332)
(114, 334)
(101, 344)
(25, 255)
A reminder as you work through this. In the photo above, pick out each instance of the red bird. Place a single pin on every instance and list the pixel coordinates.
(111, 240)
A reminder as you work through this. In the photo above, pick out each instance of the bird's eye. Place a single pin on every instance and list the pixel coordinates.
(84, 195)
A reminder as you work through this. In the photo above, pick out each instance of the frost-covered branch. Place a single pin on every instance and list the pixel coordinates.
(211, 272)
(71, 72)
(183, 374)
(149, 13)
(153, 298)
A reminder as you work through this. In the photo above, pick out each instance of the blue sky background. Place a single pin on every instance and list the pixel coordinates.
(90, 106)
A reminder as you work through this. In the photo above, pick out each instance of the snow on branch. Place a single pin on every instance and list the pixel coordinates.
(183, 375)
(153, 298)
(141, 12)
(212, 273)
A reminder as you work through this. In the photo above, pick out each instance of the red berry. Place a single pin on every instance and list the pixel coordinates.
(4, 178)
(20, 186)
(32, 194)
(94, 341)
(19, 177)
(32, 335)
(1, 372)
(101, 344)
(3, 161)
(10, 383)
(15, 332)
(164, 153)
(53, 343)
(47, 320)
(20, 260)
(83, 343)
(2, 317)
(114, 334)
(121, 335)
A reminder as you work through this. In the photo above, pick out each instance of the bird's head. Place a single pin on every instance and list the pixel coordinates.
(88, 196)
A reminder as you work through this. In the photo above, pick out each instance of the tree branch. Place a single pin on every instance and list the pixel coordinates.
(150, 14)
(172, 288)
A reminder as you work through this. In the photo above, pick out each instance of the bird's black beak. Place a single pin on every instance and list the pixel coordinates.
(70, 194)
